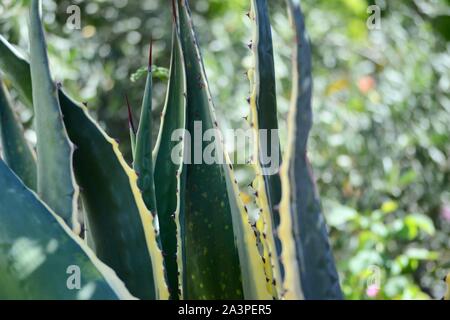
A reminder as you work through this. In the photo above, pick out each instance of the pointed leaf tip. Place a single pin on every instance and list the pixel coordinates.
(130, 115)
(150, 55)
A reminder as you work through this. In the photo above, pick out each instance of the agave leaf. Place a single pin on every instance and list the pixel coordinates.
(310, 271)
(167, 173)
(40, 256)
(122, 225)
(220, 257)
(264, 96)
(132, 128)
(143, 159)
(55, 181)
(17, 152)
(263, 117)
(15, 66)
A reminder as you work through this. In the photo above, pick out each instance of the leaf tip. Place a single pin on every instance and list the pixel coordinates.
(130, 115)
(150, 55)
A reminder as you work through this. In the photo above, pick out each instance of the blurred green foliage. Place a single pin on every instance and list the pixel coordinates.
(380, 143)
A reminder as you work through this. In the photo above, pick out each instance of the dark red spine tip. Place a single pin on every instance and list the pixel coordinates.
(130, 115)
(150, 56)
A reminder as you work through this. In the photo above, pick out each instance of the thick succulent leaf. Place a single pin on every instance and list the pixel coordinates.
(220, 257)
(263, 117)
(308, 261)
(143, 159)
(265, 100)
(40, 257)
(17, 152)
(122, 225)
(55, 181)
(15, 66)
(167, 173)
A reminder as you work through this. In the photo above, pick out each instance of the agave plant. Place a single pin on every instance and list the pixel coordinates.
(162, 229)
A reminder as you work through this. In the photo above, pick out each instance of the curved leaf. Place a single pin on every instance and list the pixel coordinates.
(40, 258)
(55, 181)
(18, 154)
(265, 100)
(121, 225)
(16, 68)
(263, 117)
(115, 209)
(310, 271)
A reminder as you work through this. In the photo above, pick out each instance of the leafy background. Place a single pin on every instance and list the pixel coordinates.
(380, 143)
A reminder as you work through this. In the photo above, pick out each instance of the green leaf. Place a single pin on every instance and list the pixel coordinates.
(220, 257)
(419, 222)
(389, 206)
(123, 227)
(307, 258)
(160, 73)
(143, 159)
(17, 152)
(15, 67)
(263, 118)
(167, 174)
(264, 96)
(55, 181)
(39, 255)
